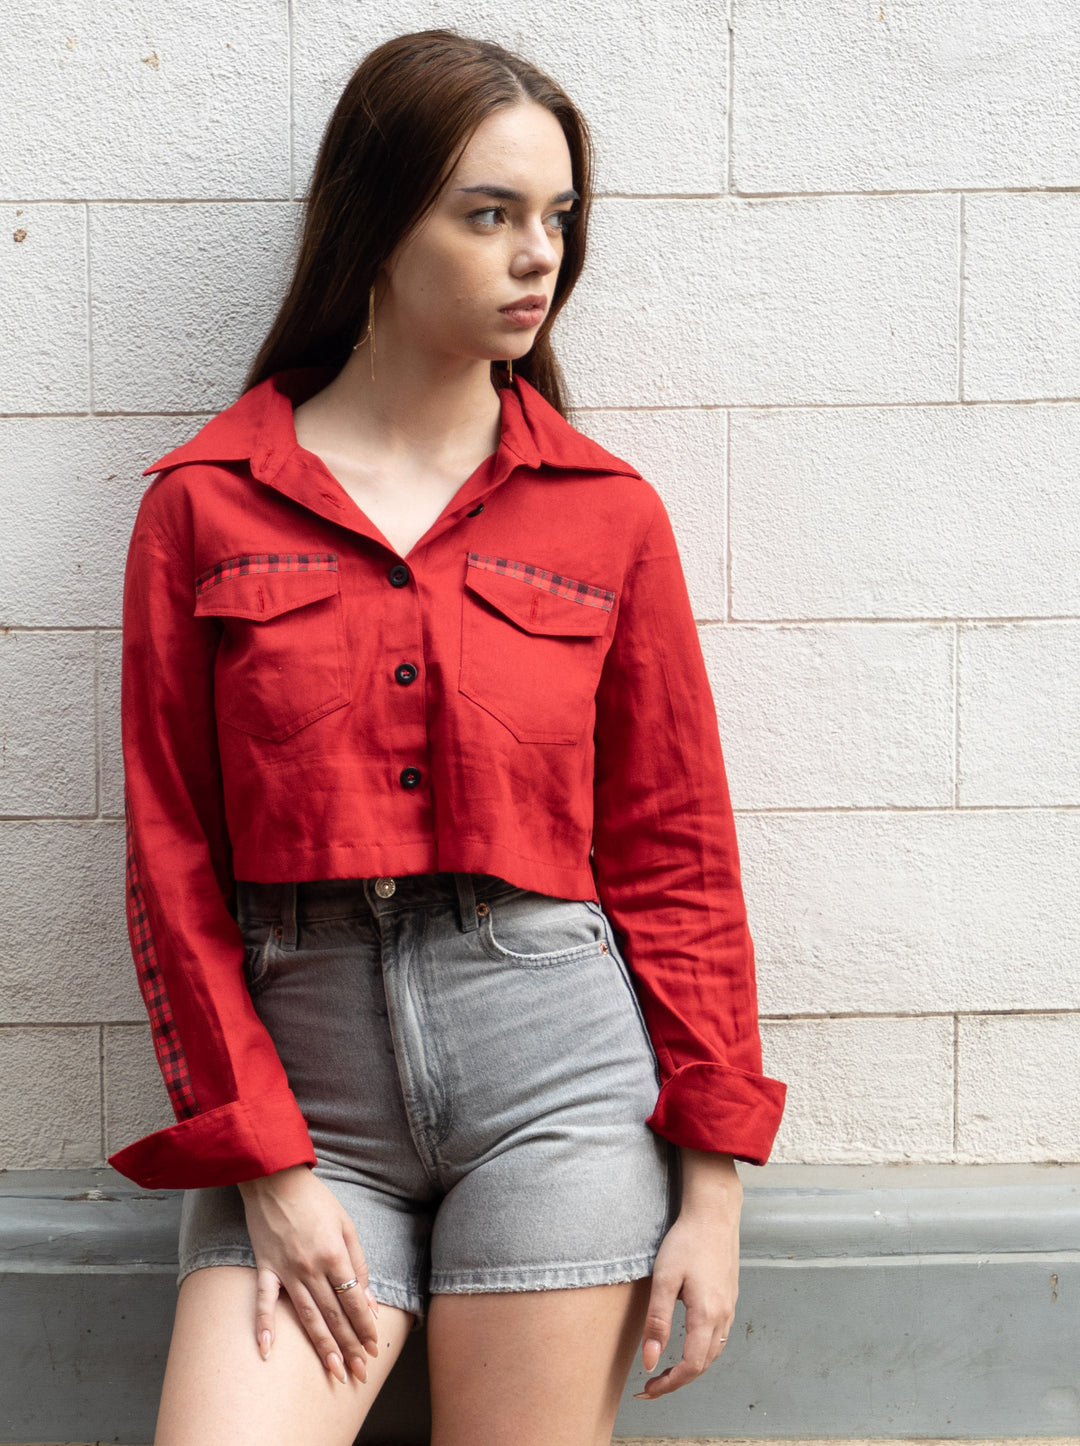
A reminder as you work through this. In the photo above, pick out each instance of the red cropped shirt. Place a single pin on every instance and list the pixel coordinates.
(522, 694)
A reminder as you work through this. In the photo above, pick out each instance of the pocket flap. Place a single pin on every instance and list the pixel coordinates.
(263, 587)
(538, 600)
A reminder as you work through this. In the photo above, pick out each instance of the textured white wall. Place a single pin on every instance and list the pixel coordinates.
(831, 313)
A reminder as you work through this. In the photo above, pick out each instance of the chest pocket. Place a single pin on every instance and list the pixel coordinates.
(532, 647)
(281, 663)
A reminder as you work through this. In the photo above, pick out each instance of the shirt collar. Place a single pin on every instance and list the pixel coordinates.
(258, 427)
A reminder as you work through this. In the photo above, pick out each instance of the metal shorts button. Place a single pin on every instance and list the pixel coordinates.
(385, 887)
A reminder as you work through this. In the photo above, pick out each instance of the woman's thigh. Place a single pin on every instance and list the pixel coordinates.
(218, 1390)
(533, 1368)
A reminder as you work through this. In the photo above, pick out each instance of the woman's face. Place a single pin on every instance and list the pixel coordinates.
(494, 238)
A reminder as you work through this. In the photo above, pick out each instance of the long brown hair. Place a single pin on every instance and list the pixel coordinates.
(390, 146)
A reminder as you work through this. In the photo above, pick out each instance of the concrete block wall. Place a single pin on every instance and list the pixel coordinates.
(831, 312)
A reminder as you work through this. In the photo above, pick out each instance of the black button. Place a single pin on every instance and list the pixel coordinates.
(475, 511)
(405, 672)
(399, 574)
(410, 777)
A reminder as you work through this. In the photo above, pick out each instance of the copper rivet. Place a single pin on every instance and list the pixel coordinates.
(481, 908)
(279, 931)
(603, 948)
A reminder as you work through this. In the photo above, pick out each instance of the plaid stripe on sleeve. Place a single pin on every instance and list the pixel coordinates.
(167, 1045)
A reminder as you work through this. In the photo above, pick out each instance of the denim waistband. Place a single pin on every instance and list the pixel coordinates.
(311, 900)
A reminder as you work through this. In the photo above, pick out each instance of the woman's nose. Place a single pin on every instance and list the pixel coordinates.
(538, 253)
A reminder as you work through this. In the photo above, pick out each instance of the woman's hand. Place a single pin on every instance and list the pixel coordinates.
(698, 1261)
(304, 1240)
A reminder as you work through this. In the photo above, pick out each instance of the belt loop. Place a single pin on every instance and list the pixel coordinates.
(466, 902)
(289, 937)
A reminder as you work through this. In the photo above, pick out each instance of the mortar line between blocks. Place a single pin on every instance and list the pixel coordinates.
(102, 1120)
(89, 309)
(827, 1015)
(732, 195)
(870, 404)
(956, 1086)
(731, 95)
(291, 113)
(961, 297)
(729, 608)
(99, 747)
(956, 715)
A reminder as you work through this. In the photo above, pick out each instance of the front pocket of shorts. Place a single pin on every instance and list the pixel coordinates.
(258, 950)
(532, 647)
(281, 663)
(538, 931)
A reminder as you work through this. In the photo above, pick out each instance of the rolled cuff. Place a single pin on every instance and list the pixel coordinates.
(707, 1106)
(221, 1146)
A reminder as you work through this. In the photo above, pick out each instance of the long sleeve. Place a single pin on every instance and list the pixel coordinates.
(666, 864)
(236, 1116)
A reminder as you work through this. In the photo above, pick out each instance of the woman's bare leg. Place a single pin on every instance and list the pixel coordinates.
(218, 1390)
(532, 1368)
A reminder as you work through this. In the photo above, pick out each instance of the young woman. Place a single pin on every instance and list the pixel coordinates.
(433, 884)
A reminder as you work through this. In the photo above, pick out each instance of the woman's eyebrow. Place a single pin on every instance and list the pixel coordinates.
(504, 193)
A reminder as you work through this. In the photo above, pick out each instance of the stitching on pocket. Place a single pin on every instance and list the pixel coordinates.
(568, 587)
(265, 562)
(551, 959)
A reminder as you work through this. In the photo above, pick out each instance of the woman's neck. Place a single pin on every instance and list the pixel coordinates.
(417, 409)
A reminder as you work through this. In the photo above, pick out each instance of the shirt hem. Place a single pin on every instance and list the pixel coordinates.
(466, 856)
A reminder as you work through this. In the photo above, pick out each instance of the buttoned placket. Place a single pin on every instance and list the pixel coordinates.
(303, 477)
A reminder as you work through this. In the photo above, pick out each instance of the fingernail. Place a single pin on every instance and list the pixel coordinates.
(264, 1344)
(357, 1368)
(334, 1362)
(373, 1302)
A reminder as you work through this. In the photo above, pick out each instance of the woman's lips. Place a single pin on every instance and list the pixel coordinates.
(530, 314)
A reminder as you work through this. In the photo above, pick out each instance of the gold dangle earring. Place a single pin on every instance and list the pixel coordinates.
(369, 335)
(510, 368)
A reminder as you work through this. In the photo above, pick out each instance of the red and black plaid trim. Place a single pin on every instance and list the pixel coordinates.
(266, 562)
(167, 1045)
(568, 587)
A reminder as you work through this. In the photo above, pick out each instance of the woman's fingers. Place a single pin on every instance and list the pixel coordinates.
(347, 1314)
(326, 1325)
(267, 1289)
(362, 1307)
(662, 1298)
(358, 1303)
(340, 1323)
(706, 1330)
(306, 1243)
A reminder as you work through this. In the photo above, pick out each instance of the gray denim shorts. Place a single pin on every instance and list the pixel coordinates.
(475, 1072)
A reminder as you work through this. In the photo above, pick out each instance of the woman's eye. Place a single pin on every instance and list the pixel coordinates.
(491, 215)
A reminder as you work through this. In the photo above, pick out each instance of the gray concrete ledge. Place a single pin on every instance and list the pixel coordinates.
(876, 1302)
